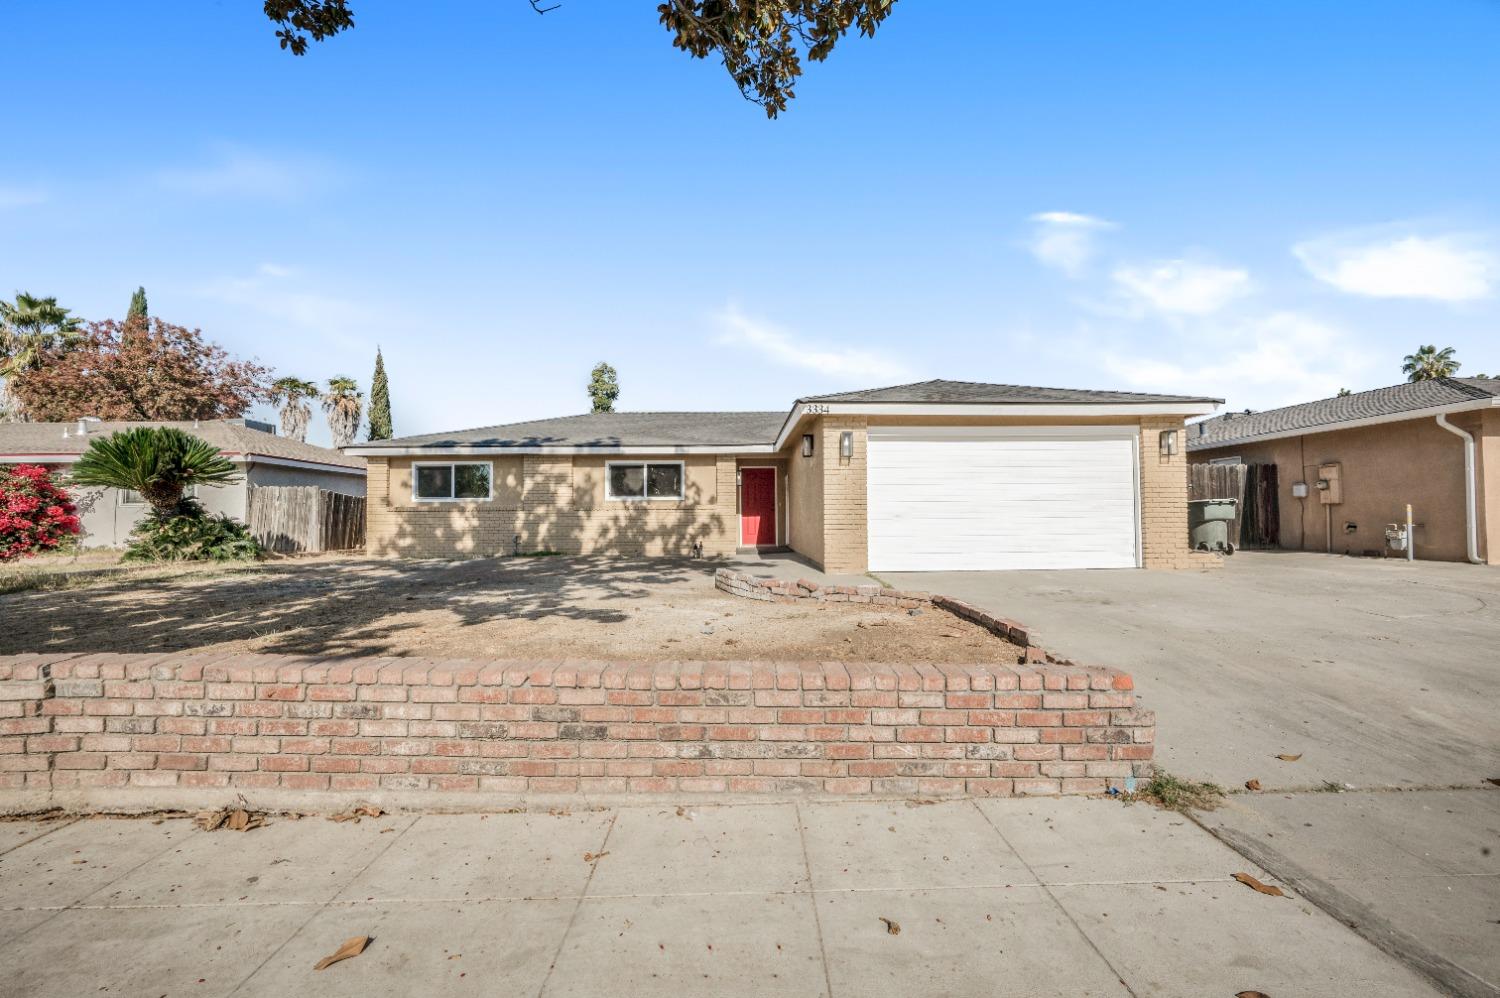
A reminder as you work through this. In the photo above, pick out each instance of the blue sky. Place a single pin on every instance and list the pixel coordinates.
(1263, 202)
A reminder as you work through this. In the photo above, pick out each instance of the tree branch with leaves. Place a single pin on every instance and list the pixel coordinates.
(762, 43)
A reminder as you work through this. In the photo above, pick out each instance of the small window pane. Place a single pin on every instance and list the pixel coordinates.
(435, 482)
(627, 480)
(471, 481)
(130, 497)
(664, 481)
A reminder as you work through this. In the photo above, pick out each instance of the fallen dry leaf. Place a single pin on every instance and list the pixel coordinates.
(891, 926)
(1290, 758)
(594, 857)
(351, 948)
(357, 812)
(1252, 784)
(1256, 885)
(1251, 994)
(235, 819)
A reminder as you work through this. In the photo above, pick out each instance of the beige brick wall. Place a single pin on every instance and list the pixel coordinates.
(1164, 493)
(552, 503)
(846, 532)
(805, 499)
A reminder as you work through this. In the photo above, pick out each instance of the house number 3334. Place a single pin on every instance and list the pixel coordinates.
(815, 408)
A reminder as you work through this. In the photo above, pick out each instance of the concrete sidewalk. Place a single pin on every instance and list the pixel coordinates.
(1372, 673)
(1035, 897)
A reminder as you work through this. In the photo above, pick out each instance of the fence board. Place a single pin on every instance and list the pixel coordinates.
(290, 519)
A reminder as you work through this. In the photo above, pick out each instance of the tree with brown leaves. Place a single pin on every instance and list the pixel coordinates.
(139, 370)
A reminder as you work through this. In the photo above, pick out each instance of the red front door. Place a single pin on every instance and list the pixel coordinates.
(758, 507)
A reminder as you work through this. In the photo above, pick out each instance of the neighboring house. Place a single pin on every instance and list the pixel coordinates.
(260, 457)
(1434, 444)
(937, 475)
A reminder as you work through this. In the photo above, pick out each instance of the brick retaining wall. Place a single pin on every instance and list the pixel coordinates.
(88, 730)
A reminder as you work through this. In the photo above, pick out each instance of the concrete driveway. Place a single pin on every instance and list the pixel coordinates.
(1379, 675)
(1033, 897)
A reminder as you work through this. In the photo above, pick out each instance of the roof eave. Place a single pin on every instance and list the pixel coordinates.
(1075, 410)
(1348, 424)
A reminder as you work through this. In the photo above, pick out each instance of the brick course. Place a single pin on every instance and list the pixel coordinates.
(82, 727)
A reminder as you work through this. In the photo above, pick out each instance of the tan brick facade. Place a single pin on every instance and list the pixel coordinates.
(553, 503)
(1164, 493)
(558, 503)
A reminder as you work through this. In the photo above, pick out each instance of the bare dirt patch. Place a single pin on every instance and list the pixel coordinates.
(507, 608)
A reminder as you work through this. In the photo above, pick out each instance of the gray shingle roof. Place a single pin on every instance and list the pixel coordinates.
(977, 393)
(612, 429)
(1327, 414)
(231, 436)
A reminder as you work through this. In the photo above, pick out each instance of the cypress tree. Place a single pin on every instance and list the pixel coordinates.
(137, 305)
(380, 402)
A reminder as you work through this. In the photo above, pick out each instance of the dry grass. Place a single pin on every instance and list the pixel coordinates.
(1172, 793)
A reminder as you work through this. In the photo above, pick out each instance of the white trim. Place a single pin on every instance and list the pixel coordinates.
(775, 499)
(667, 450)
(1347, 424)
(1057, 410)
(453, 481)
(232, 457)
(645, 482)
(1471, 512)
(291, 462)
(1000, 432)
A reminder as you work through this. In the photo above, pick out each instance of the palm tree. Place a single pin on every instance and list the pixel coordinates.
(159, 462)
(1429, 362)
(29, 327)
(343, 403)
(292, 394)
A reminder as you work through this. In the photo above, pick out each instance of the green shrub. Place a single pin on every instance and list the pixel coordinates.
(191, 536)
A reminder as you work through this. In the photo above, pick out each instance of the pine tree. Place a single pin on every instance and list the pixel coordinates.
(380, 402)
(604, 388)
(137, 305)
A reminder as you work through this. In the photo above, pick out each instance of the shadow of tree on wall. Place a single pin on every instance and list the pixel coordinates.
(334, 607)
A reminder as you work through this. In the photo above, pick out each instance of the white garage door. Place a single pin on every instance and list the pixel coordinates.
(963, 499)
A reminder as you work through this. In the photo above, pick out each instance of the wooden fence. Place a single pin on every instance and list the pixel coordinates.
(1254, 490)
(294, 519)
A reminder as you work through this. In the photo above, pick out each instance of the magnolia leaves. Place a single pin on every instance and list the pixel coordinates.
(1256, 885)
(351, 948)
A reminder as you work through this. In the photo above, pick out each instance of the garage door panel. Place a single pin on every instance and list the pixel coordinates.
(1001, 501)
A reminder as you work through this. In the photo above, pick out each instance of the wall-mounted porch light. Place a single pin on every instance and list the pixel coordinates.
(1168, 443)
(846, 444)
(807, 444)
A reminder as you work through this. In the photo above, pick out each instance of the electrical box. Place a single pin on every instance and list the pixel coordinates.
(1299, 490)
(1330, 484)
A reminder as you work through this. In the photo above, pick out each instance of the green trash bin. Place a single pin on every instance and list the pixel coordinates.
(1208, 524)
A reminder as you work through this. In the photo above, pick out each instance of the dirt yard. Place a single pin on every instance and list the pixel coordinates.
(512, 608)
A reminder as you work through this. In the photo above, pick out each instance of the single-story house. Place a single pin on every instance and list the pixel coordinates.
(260, 456)
(928, 476)
(1347, 467)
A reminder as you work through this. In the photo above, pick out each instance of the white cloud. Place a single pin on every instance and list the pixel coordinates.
(20, 197)
(1263, 363)
(1443, 268)
(346, 322)
(1182, 287)
(1065, 240)
(237, 172)
(793, 350)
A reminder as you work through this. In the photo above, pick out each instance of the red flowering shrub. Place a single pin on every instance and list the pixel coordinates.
(35, 514)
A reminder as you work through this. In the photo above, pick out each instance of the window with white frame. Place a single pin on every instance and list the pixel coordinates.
(644, 480)
(451, 482)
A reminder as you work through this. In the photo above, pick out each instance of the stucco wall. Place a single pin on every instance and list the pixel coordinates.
(331, 481)
(553, 503)
(108, 523)
(1384, 467)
